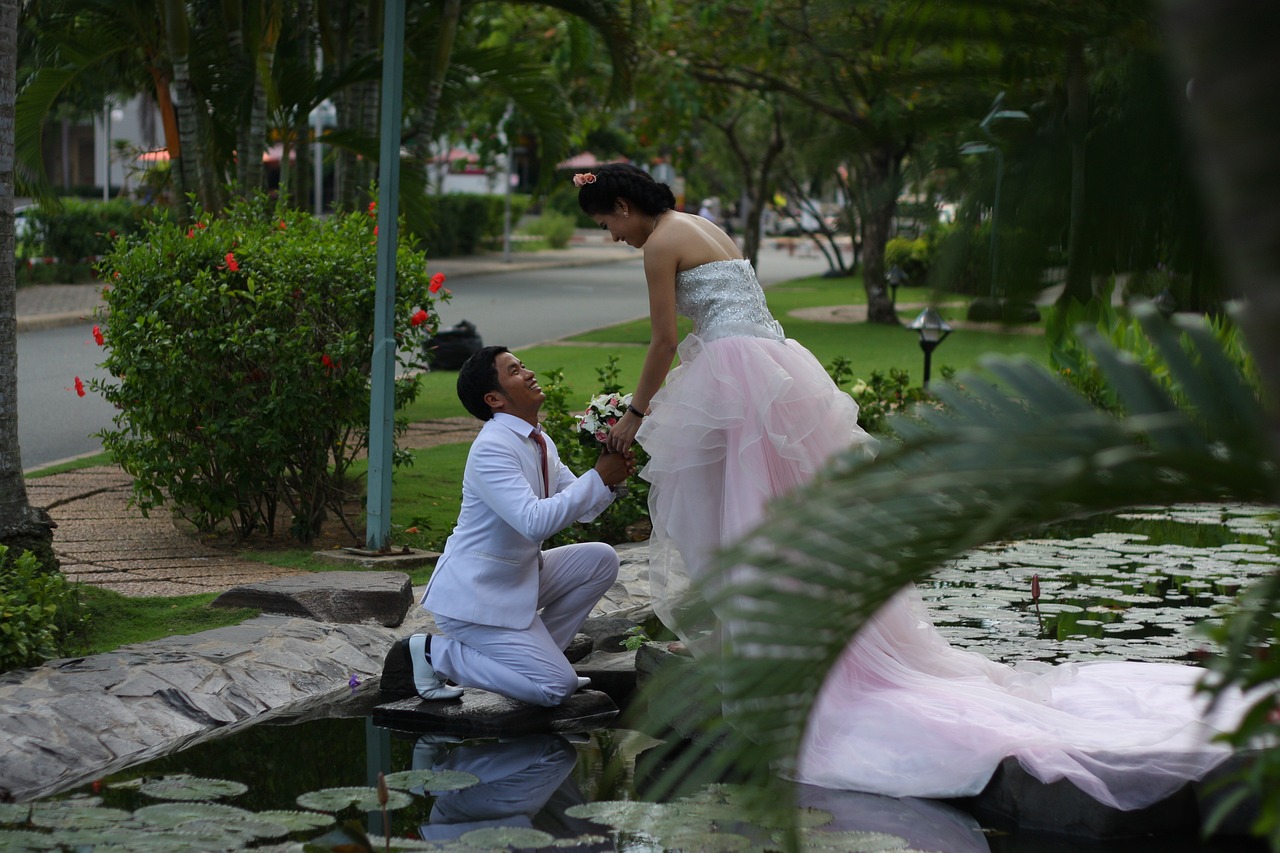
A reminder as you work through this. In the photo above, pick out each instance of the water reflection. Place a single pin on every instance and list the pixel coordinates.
(524, 782)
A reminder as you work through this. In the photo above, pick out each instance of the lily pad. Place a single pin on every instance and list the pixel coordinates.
(853, 841)
(507, 836)
(297, 821)
(174, 815)
(14, 812)
(59, 814)
(26, 839)
(431, 780)
(620, 814)
(707, 842)
(364, 799)
(185, 787)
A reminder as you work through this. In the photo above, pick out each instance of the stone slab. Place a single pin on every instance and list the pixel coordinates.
(1014, 797)
(613, 673)
(398, 561)
(480, 713)
(343, 597)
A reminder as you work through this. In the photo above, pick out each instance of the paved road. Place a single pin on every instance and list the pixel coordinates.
(53, 421)
(515, 308)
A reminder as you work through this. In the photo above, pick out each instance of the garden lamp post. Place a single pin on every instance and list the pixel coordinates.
(933, 330)
(991, 148)
(895, 278)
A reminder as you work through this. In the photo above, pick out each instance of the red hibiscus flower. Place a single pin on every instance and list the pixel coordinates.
(79, 386)
(419, 317)
(232, 265)
(373, 208)
(97, 336)
(375, 230)
(283, 225)
(437, 282)
(191, 232)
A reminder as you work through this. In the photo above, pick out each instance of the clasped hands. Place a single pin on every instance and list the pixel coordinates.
(623, 434)
(615, 467)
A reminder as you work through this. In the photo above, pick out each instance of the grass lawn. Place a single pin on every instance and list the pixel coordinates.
(117, 620)
(427, 495)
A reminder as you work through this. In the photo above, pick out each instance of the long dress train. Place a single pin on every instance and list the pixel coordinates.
(749, 415)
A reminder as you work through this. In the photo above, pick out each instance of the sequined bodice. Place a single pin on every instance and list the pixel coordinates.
(724, 299)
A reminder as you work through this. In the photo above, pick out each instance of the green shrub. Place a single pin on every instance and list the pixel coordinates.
(1076, 363)
(41, 616)
(627, 518)
(463, 224)
(73, 233)
(882, 396)
(240, 352)
(554, 227)
(911, 256)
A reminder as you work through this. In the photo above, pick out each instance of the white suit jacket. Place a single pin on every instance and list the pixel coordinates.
(488, 573)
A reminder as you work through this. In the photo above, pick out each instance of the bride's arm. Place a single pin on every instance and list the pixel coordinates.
(660, 274)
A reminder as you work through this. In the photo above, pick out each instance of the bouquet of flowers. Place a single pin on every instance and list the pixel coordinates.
(603, 411)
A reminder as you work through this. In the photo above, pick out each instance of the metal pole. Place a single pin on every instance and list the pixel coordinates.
(106, 152)
(506, 195)
(995, 216)
(382, 382)
(317, 165)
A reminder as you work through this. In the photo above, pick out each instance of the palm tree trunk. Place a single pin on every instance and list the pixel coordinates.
(189, 163)
(1079, 285)
(21, 524)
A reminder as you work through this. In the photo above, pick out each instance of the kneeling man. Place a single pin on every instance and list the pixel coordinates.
(508, 609)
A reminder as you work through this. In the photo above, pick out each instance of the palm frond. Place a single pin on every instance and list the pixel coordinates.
(1009, 450)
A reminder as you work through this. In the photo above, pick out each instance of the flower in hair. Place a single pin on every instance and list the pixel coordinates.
(583, 178)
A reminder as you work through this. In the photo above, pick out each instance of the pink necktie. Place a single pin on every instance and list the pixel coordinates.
(542, 450)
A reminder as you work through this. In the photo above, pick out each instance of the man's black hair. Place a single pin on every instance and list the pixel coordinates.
(477, 377)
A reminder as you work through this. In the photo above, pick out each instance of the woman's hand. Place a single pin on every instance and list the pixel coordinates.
(623, 434)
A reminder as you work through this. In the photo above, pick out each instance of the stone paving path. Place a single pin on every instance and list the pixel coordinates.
(103, 541)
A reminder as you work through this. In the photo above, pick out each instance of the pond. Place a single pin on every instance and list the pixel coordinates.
(1134, 586)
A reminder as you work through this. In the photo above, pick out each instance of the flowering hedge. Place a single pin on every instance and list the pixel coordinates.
(240, 350)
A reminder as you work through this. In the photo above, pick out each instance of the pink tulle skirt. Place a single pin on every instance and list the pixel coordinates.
(743, 420)
(739, 422)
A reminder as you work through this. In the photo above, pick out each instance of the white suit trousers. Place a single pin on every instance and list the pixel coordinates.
(529, 664)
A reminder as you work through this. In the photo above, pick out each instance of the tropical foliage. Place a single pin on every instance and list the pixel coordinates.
(232, 78)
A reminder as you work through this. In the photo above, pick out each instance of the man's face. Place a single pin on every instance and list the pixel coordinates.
(519, 393)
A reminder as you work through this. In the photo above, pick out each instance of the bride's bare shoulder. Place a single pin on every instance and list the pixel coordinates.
(695, 241)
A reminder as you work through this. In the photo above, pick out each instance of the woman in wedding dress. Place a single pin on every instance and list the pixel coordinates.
(748, 416)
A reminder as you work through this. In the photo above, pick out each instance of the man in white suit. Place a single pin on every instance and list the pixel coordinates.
(508, 609)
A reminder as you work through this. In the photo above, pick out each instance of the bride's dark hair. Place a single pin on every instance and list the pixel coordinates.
(622, 180)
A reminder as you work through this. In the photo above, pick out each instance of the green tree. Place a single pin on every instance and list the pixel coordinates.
(21, 525)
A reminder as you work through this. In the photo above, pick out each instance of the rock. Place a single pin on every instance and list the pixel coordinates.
(579, 647)
(480, 713)
(342, 597)
(404, 560)
(1217, 789)
(613, 673)
(607, 633)
(1014, 797)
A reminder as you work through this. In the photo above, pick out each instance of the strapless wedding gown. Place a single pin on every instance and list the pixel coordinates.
(747, 416)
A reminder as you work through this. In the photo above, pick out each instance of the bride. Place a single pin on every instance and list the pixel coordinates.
(748, 416)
